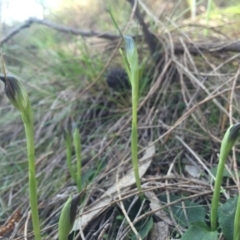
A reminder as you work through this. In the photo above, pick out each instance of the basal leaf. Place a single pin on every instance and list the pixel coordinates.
(186, 212)
(196, 232)
(226, 213)
(225, 172)
(144, 229)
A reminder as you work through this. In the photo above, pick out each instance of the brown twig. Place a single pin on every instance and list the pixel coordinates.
(209, 48)
(58, 27)
(178, 49)
(152, 41)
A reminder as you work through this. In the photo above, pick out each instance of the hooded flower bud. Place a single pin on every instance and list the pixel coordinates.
(68, 215)
(131, 54)
(234, 132)
(65, 224)
(16, 93)
(229, 139)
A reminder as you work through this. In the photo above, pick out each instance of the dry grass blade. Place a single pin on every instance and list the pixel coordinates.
(160, 230)
(106, 199)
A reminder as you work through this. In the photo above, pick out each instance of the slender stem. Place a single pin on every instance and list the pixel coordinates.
(28, 125)
(209, 8)
(77, 145)
(130, 62)
(217, 187)
(227, 143)
(193, 9)
(134, 144)
(68, 146)
(236, 232)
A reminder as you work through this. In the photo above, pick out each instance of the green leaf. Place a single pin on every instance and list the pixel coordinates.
(68, 145)
(88, 176)
(225, 172)
(68, 215)
(196, 232)
(64, 224)
(78, 150)
(125, 63)
(227, 143)
(226, 213)
(192, 213)
(145, 229)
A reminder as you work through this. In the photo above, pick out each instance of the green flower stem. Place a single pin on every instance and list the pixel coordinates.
(68, 215)
(18, 97)
(228, 141)
(217, 188)
(68, 145)
(236, 231)
(27, 117)
(209, 8)
(77, 145)
(134, 137)
(130, 61)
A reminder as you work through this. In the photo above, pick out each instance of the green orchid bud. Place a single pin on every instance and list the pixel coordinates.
(131, 50)
(229, 140)
(67, 137)
(68, 215)
(132, 59)
(18, 96)
(64, 224)
(77, 146)
(68, 144)
(16, 93)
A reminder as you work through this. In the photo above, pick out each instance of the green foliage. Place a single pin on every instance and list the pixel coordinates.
(143, 228)
(186, 212)
(229, 11)
(68, 215)
(18, 96)
(75, 171)
(76, 67)
(64, 224)
(68, 146)
(16, 93)
(236, 228)
(130, 61)
(209, 9)
(78, 150)
(196, 232)
(62, 62)
(226, 213)
(225, 172)
(228, 141)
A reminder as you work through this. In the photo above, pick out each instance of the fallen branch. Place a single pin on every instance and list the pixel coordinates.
(209, 48)
(58, 27)
(178, 48)
(154, 44)
(152, 41)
